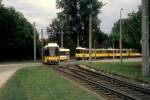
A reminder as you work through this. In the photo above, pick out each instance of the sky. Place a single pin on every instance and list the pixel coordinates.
(43, 11)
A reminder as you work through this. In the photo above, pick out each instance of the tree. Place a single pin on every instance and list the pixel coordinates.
(131, 27)
(16, 35)
(73, 20)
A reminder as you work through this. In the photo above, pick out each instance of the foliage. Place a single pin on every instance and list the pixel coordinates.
(41, 83)
(16, 35)
(73, 21)
(131, 28)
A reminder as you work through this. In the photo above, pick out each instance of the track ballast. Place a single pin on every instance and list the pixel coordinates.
(105, 85)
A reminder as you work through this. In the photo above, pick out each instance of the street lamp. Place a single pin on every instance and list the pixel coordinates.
(120, 41)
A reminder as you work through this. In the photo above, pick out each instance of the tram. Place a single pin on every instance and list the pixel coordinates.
(64, 54)
(83, 53)
(51, 54)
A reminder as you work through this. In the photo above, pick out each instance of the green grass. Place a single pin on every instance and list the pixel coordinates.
(128, 69)
(42, 84)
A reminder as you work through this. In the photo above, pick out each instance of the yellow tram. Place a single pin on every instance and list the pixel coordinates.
(64, 54)
(51, 54)
(83, 53)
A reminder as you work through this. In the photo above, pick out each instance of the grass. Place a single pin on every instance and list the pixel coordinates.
(128, 69)
(42, 84)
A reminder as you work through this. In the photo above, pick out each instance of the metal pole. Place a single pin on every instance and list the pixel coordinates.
(34, 42)
(145, 38)
(113, 50)
(90, 37)
(62, 40)
(78, 40)
(94, 47)
(42, 43)
(120, 35)
(0, 2)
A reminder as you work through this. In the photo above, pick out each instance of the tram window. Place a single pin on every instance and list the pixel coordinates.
(86, 51)
(134, 51)
(100, 51)
(67, 53)
(63, 53)
(109, 51)
(125, 51)
(78, 51)
(46, 52)
(53, 51)
(103, 51)
(97, 51)
(117, 51)
(113, 51)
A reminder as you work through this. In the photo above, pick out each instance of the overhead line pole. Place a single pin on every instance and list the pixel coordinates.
(120, 41)
(90, 37)
(42, 43)
(1, 2)
(34, 40)
(62, 40)
(145, 38)
(78, 43)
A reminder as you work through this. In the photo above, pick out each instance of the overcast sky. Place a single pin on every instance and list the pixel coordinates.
(43, 11)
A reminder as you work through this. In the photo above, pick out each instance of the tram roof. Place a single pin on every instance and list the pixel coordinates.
(64, 49)
(51, 45)
(81, 48)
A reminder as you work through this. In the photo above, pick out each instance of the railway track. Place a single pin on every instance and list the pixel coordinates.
(107, 86)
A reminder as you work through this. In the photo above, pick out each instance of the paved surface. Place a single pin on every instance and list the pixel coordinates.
(7, 70)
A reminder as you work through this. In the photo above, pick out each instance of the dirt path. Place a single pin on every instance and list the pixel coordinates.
(7, 70)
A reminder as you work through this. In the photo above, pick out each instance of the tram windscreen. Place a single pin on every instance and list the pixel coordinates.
(52, 51)
(64, 53)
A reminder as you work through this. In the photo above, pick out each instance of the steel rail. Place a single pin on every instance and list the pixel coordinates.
(114, 86)
(123, 82)
(99, 85)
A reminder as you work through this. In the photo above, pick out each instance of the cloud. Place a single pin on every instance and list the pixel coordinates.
(111, 12)
(39, 11)
(43, 11)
